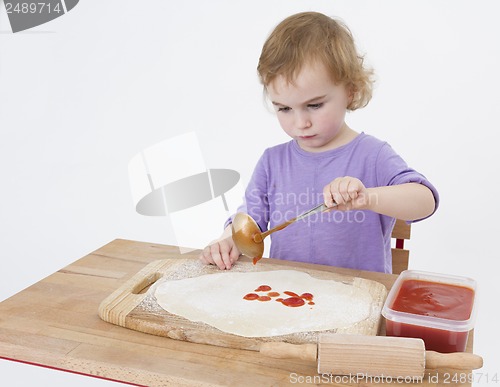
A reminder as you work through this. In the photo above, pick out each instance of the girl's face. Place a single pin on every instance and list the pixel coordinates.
(312, 109)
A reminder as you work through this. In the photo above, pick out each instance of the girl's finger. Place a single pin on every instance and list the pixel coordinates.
(328, 196)
(343, 189)
(216, 256)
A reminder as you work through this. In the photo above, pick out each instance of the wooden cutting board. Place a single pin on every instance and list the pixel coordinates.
(133, 306)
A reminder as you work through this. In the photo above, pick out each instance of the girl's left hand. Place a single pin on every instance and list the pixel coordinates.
(348, 192)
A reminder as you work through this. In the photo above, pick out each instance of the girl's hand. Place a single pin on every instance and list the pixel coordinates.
(348, 192)
(221, 252)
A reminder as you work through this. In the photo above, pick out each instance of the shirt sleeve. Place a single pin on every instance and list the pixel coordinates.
(256, 203)
(391, 169)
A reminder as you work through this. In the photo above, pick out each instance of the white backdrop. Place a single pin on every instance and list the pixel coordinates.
(83, 94)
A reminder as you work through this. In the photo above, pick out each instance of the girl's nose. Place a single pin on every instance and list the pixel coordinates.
(303, 121)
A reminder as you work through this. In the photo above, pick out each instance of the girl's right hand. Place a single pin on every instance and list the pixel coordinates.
(221, 252)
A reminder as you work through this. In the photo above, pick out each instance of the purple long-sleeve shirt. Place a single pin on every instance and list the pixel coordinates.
(288, 181)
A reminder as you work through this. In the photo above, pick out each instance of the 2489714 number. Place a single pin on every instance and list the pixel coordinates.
(471, 377)
(38, 7)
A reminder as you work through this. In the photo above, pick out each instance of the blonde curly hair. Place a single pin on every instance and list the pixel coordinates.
(307, 37)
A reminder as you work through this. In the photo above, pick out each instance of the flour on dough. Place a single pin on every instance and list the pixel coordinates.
(217, 300)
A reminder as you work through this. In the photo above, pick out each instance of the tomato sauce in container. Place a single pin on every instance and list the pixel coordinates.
(437, 308)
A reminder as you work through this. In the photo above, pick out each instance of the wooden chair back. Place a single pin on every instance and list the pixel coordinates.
(400, 256)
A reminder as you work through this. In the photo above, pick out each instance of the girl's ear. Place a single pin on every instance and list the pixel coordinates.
(351, 92)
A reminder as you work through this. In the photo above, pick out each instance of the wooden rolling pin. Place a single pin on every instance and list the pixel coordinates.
(339, 354)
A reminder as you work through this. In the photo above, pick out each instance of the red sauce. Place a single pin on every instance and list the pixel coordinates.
(293, 301)
(263, 288)
(256, 259)
(433, 299)
(307, 296)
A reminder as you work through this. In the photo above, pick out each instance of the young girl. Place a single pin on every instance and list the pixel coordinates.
(312, 74)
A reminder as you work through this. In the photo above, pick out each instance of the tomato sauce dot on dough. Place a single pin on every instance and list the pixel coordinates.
(263, 288)
(251, 296)
(307, 296)
(293, 302)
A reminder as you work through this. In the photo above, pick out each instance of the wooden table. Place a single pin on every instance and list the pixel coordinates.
(54, 323)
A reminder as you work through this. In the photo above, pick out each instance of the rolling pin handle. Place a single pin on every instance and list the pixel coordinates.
(290, 351)
(456, 360)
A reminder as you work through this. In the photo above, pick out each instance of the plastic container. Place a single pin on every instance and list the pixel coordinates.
(438, 308)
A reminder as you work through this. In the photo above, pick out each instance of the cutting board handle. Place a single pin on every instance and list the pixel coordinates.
(122, 301)
(142, 284)
(281, 350)
(456, 360)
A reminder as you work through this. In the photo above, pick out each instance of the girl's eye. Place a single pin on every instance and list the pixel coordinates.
(315, 105)
(284, 109)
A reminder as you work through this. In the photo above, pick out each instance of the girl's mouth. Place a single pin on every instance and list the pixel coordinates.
(306, 137)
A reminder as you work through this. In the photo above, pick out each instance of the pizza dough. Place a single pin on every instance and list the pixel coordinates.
(217, 300)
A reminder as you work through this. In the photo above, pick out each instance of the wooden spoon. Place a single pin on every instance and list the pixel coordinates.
(250, 240)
